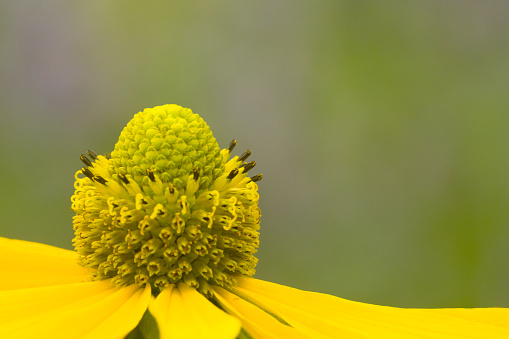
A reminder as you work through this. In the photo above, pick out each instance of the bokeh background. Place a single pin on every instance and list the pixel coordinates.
(381, 128)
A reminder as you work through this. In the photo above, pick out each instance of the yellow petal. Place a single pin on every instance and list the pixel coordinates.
(28, 264)
(258, 323)
(325, 316)
(182, 312)
(124, 319)
(493, 316)
(82, 310)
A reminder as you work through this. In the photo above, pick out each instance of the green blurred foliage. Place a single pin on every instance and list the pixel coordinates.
(381, 128)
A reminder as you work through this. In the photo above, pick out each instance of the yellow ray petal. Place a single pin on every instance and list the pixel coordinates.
(124, 319)
(182, 312)
(325, 316)
(82, 310)
(493, 316)
(28, 264)
(255, 321)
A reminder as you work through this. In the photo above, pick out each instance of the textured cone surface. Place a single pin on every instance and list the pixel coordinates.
(168, 206)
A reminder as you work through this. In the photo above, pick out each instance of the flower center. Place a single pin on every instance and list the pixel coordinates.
(167, 206)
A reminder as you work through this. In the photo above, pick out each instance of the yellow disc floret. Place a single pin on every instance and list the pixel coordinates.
(167, 206)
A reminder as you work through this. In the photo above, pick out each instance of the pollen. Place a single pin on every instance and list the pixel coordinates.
(167, 206)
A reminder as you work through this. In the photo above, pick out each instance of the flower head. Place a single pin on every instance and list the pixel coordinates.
(167, 206)
(166, 230)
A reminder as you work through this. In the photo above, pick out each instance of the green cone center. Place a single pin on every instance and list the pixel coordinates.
(167, 206)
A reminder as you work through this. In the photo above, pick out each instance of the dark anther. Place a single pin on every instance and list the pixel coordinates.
(87, 172)
(85, 160)
(245, 155)
(249, 166)
(172, 189)
(108, 156)
(100, 179)
(123, 178)
(233, 143)
(196, 173)
(151, 175)
(92, 154)
(233, 173)
(256, 178)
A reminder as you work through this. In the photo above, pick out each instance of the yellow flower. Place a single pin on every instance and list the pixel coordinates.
(166, 230)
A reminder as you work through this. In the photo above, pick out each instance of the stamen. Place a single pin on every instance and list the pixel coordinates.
(85, 160)
(151, 175)
(245, 155)
(196, 173)
(232, 145)
(87, 172)
(92, 154)
(123, 178)
(249, 166)
(233, 173)
(256, 178)
(100, 179)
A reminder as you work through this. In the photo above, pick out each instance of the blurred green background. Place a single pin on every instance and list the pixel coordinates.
(381, 128)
